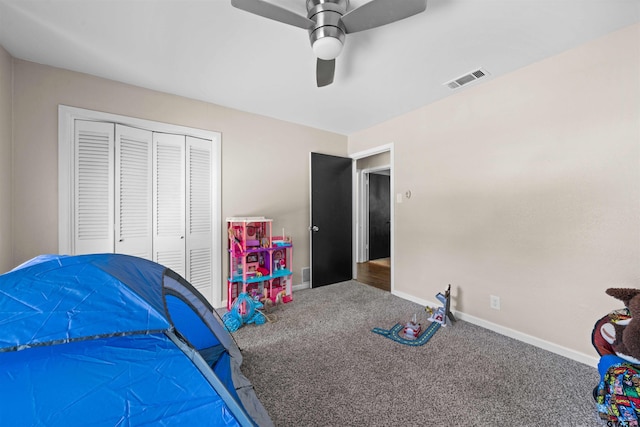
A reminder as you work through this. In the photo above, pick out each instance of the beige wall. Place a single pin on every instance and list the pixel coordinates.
(526, 187)
(382, 159)
(5, 160)
(265, 162)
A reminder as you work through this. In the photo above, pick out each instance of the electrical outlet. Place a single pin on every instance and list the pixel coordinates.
(494, 302)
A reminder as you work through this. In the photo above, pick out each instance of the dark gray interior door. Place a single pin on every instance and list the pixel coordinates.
(379, 216)
(331, 200)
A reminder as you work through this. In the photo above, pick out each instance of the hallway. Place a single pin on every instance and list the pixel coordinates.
(376, 273)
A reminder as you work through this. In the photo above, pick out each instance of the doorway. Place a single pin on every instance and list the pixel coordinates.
(373, 217)
(329, 218)
(379, 215)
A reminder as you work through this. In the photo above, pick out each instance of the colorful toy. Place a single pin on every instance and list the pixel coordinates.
(256, 261)
(617, 333)
(616, 338)
(412, 330)
(397, 335)
(235, 241)
(261, 271)
(441, 314)
(411, 333)
(245, 310)
(270, 303)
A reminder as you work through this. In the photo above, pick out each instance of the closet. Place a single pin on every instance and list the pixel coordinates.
(146, 193)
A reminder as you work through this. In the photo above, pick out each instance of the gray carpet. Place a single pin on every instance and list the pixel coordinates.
(319, 364)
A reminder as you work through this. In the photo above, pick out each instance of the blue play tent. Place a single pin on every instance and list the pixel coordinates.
(115, 340)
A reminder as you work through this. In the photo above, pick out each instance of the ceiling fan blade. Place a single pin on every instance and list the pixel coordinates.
(271, 11)
(377, 13)
(325, 71)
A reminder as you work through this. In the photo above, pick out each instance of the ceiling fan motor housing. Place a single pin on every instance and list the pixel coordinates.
(327, 36)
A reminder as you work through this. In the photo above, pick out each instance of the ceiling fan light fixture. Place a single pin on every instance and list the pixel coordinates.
(327, 41)
(327, 48)
(328, 21)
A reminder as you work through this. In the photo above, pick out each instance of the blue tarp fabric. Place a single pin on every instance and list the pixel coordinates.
(109, 382)
(114, 340)
(65, 299)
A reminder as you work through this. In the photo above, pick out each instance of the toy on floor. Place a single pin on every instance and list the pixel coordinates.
(396, 334)
(441, 314)
(411, 333)
(436, 315)
(269, 304)
(412, 329)
(244, 311)
(616, 338)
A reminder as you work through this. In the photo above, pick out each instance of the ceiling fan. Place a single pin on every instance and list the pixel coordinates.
(328, 21)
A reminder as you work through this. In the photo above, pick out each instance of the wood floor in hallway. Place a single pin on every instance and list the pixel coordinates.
(376, 273)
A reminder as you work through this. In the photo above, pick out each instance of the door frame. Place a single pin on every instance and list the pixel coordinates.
(362, 243)
(357, 207)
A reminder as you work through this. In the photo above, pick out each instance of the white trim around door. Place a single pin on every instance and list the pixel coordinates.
(361, 155)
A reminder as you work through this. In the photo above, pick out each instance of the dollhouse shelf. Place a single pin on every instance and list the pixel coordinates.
(255, 279)
(259, 263)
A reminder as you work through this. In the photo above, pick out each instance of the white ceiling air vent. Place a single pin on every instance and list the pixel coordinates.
(467, 78)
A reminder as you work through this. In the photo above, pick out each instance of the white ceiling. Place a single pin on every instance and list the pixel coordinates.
(210, 51)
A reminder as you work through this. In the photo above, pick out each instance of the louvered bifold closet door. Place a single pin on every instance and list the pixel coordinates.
(199, 215)
(169, 201)
(94, 187)
(133, 192)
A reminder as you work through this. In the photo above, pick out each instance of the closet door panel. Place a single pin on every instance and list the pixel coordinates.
(94, 187)
(133, 192)
(199, 215)
(169, 201)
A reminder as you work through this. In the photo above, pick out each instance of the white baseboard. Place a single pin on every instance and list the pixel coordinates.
(301, 286)
(511, 333)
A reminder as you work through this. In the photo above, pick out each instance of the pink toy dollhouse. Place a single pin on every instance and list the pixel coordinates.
(259, 263)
